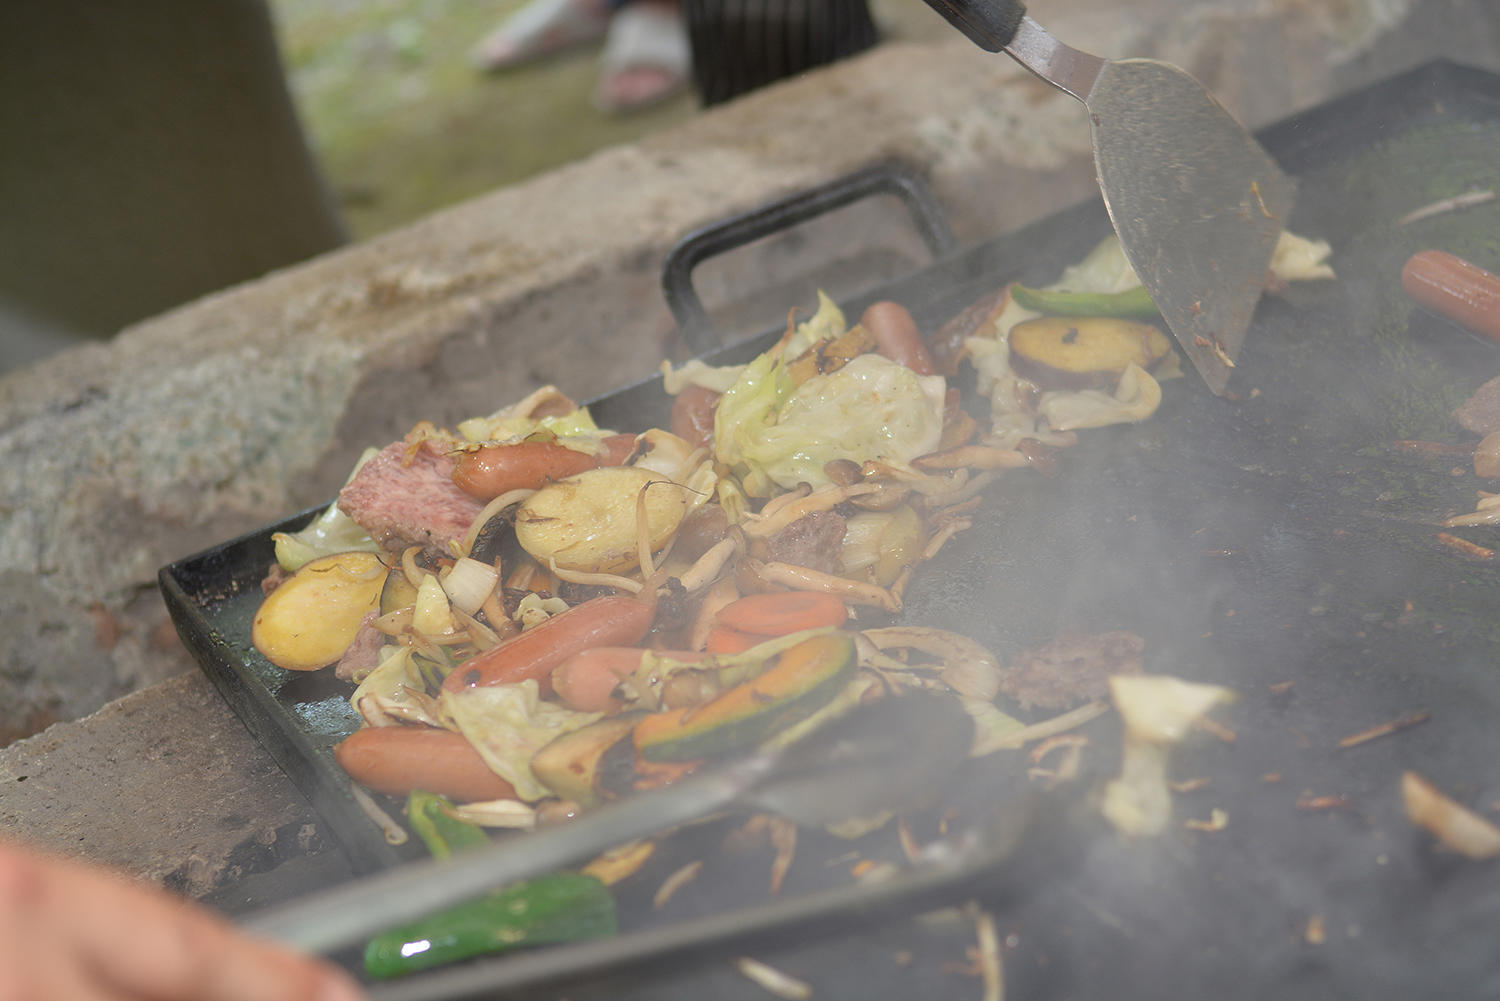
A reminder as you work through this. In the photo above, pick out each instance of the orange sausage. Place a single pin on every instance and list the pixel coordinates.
(488, 471)
(780, 613)
(722, 639)
(897, 337)
(610, 620)
(397, 759)
(693, 415)
(614, 450)
(587, 681)
(1452, 287)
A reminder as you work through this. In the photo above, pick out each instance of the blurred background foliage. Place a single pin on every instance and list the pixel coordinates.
(403, 124)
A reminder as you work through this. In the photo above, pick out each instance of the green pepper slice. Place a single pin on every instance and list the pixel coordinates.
(1131, 303)
(432, 818)
(559, 907)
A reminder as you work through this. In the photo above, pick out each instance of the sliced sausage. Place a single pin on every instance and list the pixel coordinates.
(693, 415)
(897, 336)
(488, 471)
(1452, 287)
(609, 620)
(396, 760)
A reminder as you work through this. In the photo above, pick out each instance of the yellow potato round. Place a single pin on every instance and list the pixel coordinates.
(1083, 352)
(588, 522)
(310, 620)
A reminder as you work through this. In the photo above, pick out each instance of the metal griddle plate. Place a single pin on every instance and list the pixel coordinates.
(1274, 536)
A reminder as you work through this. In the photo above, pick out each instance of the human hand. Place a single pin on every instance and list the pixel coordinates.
(75, 932)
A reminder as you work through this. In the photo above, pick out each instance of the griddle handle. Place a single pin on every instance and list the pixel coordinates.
(990, 24)
(884, 179)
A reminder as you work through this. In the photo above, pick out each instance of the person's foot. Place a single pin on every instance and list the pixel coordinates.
(646, 58)
(541, 28)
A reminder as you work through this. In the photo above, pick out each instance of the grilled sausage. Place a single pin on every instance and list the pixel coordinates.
(693, 415)
(587, 681)
(616, 450)
(398, 759)
(488, 471)
(1452, 287)
(897, 337)
(610, 620)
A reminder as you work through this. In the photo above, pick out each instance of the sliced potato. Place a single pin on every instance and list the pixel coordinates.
(310, 620)
(1083, 352)
(588, 522)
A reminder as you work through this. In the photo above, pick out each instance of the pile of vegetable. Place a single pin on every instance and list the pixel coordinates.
(538, 614)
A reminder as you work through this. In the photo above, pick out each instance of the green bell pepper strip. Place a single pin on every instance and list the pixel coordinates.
(432, 819)
(560, 907)
(1132, 303)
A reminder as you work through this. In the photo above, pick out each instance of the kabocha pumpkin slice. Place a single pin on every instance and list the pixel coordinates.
(571, 764)
(310, 620)
(802, 680)
(1083, 352)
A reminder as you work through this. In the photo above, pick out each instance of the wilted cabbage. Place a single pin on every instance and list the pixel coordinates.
(508, 724)
(773, 433)
(1135, 398)
(329, 533)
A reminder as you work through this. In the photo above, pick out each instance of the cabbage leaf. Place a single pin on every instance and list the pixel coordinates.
(575, 429)
(394, 692)
(772, 433)
(828, 322)
(698, 373)
(508, 724)
(328, 534)
(1135, 398)
(824, 325)
(1105, 268)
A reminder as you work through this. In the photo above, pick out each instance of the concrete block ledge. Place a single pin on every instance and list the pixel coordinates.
(165, 784)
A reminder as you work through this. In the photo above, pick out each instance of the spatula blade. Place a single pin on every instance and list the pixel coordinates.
(1197, 203)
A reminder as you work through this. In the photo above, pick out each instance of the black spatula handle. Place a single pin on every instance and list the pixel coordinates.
(990, 24)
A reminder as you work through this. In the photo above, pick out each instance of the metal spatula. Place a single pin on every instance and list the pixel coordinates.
(1196, 201)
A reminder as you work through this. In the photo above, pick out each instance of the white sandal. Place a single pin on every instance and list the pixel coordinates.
(541, 28)
(643, 36)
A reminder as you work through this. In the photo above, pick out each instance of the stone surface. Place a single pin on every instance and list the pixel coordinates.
(165, 784)
(230, 412)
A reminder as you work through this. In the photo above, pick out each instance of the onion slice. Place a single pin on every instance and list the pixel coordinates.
(469, 583)
(1454, 824)
(1158, 712)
